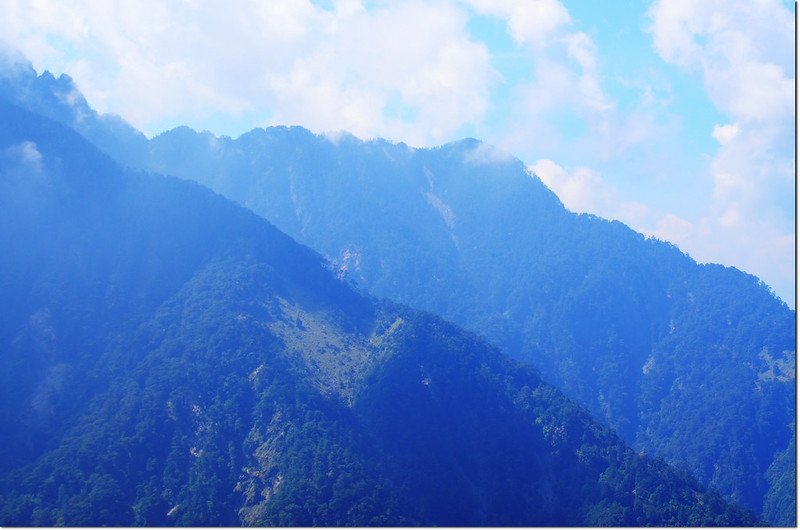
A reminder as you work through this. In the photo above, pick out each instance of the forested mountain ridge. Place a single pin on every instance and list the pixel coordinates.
(60, 100)
(693, 363)
(170, 358)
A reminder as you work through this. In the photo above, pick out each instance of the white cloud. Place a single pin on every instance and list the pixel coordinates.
(28, 153)
(406, 71)
(487, 154)
(672, 228)
(564, 84)
(725, 133)
(25, 161)
(531, 22)
(743, 49)
(581, 190)
(370, 78)
(731, 217)
(744, 53)
(585, 190)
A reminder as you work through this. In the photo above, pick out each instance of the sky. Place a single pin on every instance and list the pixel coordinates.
(675, 117)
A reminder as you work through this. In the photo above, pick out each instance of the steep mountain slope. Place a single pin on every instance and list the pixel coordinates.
(693, 363)
(60, 100)
(170, 358)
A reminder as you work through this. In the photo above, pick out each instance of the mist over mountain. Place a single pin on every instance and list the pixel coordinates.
(60, 100)
(691, 363)
(171, 358)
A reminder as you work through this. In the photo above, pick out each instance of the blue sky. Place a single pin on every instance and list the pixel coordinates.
(675, 117)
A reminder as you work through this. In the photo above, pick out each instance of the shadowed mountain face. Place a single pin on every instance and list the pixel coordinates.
(169, 358)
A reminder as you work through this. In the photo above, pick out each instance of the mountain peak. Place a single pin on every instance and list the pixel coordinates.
(59, 99)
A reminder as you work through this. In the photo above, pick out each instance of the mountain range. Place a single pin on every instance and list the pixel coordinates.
(144, 306)
(692, 363)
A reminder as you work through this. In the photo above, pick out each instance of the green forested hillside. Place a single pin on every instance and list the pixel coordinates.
(692, 363)
(169, 358)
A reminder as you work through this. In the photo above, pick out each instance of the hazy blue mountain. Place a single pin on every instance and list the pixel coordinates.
(693, 363)
(60, 100)
(169, 358)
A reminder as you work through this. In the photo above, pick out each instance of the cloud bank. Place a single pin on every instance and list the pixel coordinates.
(406, 71)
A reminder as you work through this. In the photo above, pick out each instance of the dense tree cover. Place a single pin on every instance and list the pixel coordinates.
(692, 363)
(782, 478)
(491, 425)
(166, 360)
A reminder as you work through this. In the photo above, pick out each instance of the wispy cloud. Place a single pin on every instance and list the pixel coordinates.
(584, 190)
(487, 154)
(564, 83)
(530, 22)
(27, 155)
